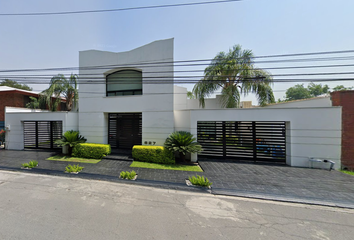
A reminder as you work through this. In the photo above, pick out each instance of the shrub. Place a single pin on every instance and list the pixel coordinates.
(73, 168)
(183, 143)
(71, 138)
(128, 175)
(200, 181)
(31, 164)
(154, 154)
(91, 150)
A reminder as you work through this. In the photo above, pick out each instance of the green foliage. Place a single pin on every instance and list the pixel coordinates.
(61, 86)
(200, 181)
(35, 103)
(73, 168)
(154, 154)
(71, 138)
(14, 84)
(190, 95)
(31, 164)
(91, 150)
(341, 88)
(299, 91)
(235, 74)
(128, 175)
(183, 143)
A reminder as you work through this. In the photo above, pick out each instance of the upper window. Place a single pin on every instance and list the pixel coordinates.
(125, 82)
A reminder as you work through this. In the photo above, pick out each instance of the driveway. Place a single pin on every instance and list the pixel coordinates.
(273, 182)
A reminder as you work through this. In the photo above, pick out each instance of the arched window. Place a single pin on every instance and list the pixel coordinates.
(125, 82)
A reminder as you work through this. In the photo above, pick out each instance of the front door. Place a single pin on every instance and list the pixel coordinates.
(124, 130)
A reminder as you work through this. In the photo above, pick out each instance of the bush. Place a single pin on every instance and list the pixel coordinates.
(200, 181)
(31, 164)
(154, 154)
(73, 168)
(183, 143)
(128, 175)
(91, 150)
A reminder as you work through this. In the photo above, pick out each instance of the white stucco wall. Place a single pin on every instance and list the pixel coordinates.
(312, 102)
(15, 138)
(311, 132)
(156, 103)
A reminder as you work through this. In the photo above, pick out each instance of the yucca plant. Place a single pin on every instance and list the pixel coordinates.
(71, 138)
(200, 181)
(183, 143)
(73, 168)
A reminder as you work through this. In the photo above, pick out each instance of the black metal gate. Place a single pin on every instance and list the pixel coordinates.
(254, 141)
(124, 130)
(42, 134)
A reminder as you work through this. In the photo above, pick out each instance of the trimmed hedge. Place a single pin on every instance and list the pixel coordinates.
(154, 154)
(91, 150)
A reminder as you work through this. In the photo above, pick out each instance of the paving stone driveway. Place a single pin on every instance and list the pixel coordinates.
(272, 182)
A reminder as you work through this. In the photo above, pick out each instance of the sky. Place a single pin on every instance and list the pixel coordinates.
(267, 27)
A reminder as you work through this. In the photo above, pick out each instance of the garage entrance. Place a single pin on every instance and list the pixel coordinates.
(250, 141)
(124, 130)
(42, 134)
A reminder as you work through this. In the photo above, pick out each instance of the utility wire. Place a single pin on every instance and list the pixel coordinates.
(118, 9)
(177, 63)
(27, 77)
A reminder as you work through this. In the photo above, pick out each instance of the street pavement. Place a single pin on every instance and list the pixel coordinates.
(34, 206)
(262, 181)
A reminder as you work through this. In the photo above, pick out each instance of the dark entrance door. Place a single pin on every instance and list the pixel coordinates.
(124, 130)
(252, 141)
(42, 134)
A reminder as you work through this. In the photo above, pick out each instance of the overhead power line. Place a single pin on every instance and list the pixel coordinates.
(187, 63)
(118, 9)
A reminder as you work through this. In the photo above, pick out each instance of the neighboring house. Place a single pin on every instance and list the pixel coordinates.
(132, 101)
(14, 97)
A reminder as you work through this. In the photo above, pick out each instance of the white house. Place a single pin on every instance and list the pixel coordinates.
(129, 98)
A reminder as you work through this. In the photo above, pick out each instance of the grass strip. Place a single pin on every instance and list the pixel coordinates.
(64, 158)
(179, 167)
(347, 172)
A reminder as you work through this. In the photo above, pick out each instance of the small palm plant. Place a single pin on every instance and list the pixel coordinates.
(183, 143)
(71, 139)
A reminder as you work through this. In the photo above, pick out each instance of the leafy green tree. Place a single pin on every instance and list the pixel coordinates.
(183, 143)
(297, 92)
(61, 86)
(14, 84)
(235, 74)
(71, 138)
(341, 88)
(317, 89)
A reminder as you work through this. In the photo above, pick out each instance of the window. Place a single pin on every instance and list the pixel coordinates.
(125, 82)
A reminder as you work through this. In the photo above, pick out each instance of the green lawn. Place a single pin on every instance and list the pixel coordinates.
(190, 168)
(72, 159)
(347, 172)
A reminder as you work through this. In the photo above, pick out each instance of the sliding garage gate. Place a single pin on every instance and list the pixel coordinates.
(253, 141)
(42, 134)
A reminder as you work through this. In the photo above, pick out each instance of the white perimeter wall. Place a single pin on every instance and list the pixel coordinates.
(311, 132)
(156, 103)
(14, 137)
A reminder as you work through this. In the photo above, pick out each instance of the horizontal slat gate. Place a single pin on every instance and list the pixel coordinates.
(124, 130)
(42, 134)
(254, 141)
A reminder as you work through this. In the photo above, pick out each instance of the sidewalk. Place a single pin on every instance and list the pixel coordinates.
(272, 182)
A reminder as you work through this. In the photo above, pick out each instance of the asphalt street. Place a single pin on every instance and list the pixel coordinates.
(50, 207)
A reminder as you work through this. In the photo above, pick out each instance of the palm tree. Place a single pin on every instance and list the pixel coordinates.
(59, 85)
(71, 139)
(182, 142)
(235, 74)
